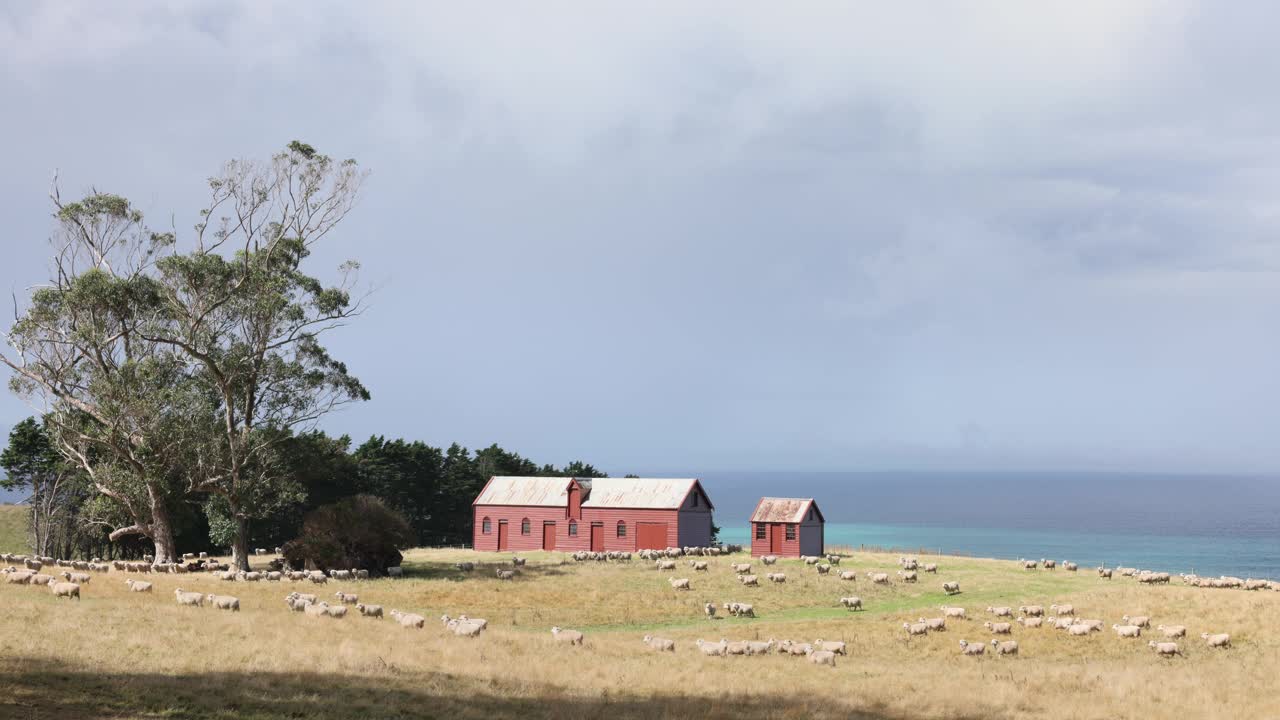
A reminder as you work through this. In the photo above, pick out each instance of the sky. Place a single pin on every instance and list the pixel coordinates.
(671, 238)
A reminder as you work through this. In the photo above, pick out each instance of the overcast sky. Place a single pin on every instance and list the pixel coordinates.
(682, 237)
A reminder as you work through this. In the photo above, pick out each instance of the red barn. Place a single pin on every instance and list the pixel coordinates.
(597, 514)
(789, 527)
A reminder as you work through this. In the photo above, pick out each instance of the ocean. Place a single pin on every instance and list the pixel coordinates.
(1207, 524)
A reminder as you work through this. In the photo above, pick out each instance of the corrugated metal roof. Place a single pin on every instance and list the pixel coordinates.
(663, 493)
(787, 510)
(540, 491)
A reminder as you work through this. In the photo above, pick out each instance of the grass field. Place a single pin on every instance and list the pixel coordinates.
(117, 654)
(13, 528)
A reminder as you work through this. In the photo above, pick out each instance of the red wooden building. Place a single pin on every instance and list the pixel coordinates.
(597, 514)
(788, 527)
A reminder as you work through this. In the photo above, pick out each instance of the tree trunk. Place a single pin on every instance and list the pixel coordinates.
(240, 543)
(161, 529)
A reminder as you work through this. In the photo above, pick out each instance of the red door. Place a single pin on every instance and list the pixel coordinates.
(597, 537)
(775, 538)
(502, 535)
(548, 536)
(651, 536)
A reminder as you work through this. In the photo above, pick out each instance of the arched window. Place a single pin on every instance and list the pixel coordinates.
(486, 526)
(573, 528)
(524, 526)
(622, 528)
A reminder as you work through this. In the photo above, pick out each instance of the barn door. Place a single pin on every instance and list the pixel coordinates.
(597, 537)
(651, 536)
(775, 539)
(548, 536)
(502, 535)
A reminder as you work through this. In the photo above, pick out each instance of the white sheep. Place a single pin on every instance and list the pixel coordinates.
(138, 586)
(1033, 622)
(65, 589)
(1000, 628)
(189, 598)
(1168, 649)
(573, 637)
(952, 612)
(836, 646)
(879, 578)
(1028, 564)
(852, 602)
(777, 577)
(369, 610)
(1216, 640)
(1078, 629)
(465, 629)
(749, 580)
(741, 568)
(1008, 647)
(698, 565)
(1069, 566)
(40, 579)
(951, 588)
(713, 649)
(660, 644)
(224, 602)
(1063, 609)
(769, 559)
(931, 568)
(679, 583)
(1049, 564)
(823, 657)
(320, 609)
(1104, 573)
(408, 620)
(1127, 631)
(850, 575)
(833, 559)
(1001, 611)
(756, 647)
(823, 568)
(907, 575)
(77, 577)
(710, 610)
(505, 574)
(935, 624)
(1173, 631)
(919, 628)
(969, 648)
(1140, 620)
(1031, 610)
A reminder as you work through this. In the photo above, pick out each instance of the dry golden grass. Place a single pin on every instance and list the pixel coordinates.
(118, 654)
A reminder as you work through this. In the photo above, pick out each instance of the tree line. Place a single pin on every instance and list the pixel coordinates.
(431, 487)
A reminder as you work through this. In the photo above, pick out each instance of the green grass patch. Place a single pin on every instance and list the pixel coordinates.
(13, 528)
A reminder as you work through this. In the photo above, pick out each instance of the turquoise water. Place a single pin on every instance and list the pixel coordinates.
(1245, 557)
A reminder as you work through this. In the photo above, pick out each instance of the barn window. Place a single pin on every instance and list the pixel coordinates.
(622, 528)
(486, 527)
(524, 526)
(573, 528)
(760, 531)
(791, 531)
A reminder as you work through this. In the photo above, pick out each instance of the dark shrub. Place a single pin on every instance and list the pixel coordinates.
(357, 532)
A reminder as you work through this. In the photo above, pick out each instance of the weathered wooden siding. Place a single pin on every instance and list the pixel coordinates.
(609, 517)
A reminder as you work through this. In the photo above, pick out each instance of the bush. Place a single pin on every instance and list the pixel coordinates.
(357, 532)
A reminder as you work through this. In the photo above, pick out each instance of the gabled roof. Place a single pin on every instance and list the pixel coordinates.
(537, 491)
(642, 493)
(784, 510)
(657, 493)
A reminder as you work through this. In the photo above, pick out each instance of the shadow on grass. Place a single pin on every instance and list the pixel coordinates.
(426, 570)
(36, 689)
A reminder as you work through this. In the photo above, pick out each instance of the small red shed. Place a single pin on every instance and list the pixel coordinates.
(597, 514)
(787, 527)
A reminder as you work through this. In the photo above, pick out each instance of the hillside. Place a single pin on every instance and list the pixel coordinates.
(268, 662)
(13, 529)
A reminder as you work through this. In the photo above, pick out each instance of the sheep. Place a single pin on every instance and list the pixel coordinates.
(224, 602)
(320, 609)
(1032, 622)
(907, 575)
(850, 575)
(81, 578)
(305, 597)
(822, 657)
(1093, 625)
(1001, 628)
(749, 580)
(1049, 564)
(968, 648)
(573, 637)
(734, 648)
(1251, 584)
(1216, 640)
(1031, 610)
(408, 620)
(810, 559)
(138, 586)
(698, 565)
(474, 621)
(40, 579)
(1173, 631)
(755, 647)
(917, 628)
(710, 610)
(347, 598)
(21, 577)
(65, 589)
(1126, 571)
(32, 564)
(1058, 623)
(800, 649)
(1063, 609)
(1001, 611)
(879, 578)
(1078, 629)
(189, 598)
(340, 574)
(852, 602)
(1104, 573)
(665, 565)
(1028, 564)
(395, 571)
(660, 644)
(505, 574)
(823, 568)
(833, 559)
(712, 649)
(1069, 566)
(1139, 620)
(679, 583)
(908, 563)
(462, 628)
(318, 577)
(1008, 647)
(465, 566)
(777, 577)
(952, 612)
(273, 576)
(740, 609)
(769, 559)
(951, 588)
(741, 568)
(935, 624)
(1127, 631)
(1166, 649)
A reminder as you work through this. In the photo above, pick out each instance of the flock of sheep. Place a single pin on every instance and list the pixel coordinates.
(1063, 617)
